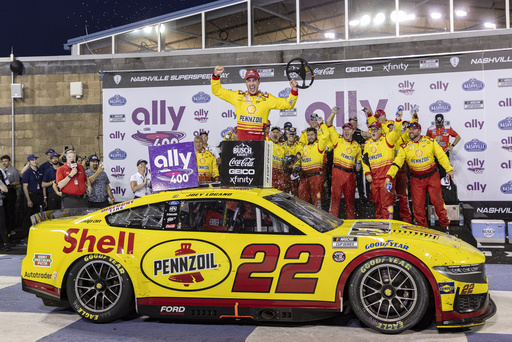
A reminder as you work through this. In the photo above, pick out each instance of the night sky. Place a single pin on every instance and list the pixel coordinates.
(41, 28)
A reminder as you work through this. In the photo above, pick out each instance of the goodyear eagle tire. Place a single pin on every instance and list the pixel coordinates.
(99, 289)
(388, 294)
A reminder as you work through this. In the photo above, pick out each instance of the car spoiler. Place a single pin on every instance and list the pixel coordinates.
(55, 214)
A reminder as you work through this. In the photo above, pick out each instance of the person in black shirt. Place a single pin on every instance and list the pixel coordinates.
(359, 137)
(52, 199)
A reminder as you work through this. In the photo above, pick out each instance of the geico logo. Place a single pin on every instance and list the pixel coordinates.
(241, 171)
(359, 69)
(172, 309)
(103, 244)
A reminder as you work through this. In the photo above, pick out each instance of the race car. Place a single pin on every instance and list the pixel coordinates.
(251, 254)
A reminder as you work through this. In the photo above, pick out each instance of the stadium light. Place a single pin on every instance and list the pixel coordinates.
(365, 20)
(435, 15)
(379, 19)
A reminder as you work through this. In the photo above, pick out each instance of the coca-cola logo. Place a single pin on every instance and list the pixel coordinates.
(246, 162)
(324, 71)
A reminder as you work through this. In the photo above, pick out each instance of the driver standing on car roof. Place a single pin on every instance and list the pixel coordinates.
(252, 106)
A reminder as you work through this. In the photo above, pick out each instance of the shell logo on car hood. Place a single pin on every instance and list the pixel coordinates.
(186, 265)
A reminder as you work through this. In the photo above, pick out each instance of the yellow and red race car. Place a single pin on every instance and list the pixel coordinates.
(251, 254)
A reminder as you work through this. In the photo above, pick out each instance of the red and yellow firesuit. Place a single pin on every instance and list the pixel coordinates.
(289, 184)
(442, 135)
(400, 183)
(207, 169)
(346, 155)
(277, 166)
(252, 111)
(381, 153)
(312, 162)
(424, 176)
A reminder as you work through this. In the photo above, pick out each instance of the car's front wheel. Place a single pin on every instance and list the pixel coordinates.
(388, 294)
(99, 289)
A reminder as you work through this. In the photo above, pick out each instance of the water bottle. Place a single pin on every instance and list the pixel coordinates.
(357, 165)
(461, 219)
(432, 220)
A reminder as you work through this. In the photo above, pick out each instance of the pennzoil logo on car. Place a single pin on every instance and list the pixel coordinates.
(186, 265)
(42, 260)
(446, 288)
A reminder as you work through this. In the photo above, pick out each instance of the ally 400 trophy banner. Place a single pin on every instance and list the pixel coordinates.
(173, 166)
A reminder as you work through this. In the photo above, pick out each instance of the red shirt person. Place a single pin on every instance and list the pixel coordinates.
(442, 133)
(72, 181)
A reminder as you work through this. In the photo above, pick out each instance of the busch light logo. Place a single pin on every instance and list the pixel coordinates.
(475, 145)
(454, 61)
(117, 79)
(242, 150)
(506, 188)
(158, 138)
(488, 232)
(285, 93)
(505, 124)
(201, 97)
(117, 154)
(117, 100)
(440, 107)
(473, 85)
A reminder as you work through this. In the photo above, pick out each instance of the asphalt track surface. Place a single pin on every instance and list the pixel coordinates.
(23, 317)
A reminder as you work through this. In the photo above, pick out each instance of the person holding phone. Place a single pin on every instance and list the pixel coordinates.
(141, 181)
(101, 193)
(73, 182)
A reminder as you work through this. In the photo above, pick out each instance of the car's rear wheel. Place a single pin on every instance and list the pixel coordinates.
(388, 294)
(99, 289)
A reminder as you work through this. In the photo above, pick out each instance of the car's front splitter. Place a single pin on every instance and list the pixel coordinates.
(463, 322)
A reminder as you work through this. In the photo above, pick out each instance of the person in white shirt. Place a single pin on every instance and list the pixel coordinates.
(141, 181)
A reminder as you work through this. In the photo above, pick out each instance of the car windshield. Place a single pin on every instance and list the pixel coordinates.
(311, 215)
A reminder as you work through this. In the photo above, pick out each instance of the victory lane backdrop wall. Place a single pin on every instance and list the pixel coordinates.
(471, 90)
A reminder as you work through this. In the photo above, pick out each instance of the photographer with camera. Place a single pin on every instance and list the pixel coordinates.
(72, 181)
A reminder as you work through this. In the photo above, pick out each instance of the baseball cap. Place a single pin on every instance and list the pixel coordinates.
(31, 156)
(287, 124)
(50, 150)
(95, 157)
(353, 118)
(292, 130)
(415, 125)
(141, 161)
(276, 127)
(379, 113)
(252, 74)
(376, 125)
(439, 119)
(313, 116)
(54, 154)
(349, 125)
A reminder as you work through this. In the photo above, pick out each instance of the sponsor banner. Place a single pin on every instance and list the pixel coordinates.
(471, 90)
(246, 163)
(491, 209)
(173, 166)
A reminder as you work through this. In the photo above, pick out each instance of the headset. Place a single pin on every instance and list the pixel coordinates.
(64, 156)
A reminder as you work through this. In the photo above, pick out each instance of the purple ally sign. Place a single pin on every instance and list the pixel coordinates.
(173, 166)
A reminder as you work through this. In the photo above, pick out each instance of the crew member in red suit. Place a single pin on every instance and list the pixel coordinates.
(420, 153)
(347, 158)
(381, 152)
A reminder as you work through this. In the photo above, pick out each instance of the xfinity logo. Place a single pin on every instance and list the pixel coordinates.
(367, 68)
(388, 67)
